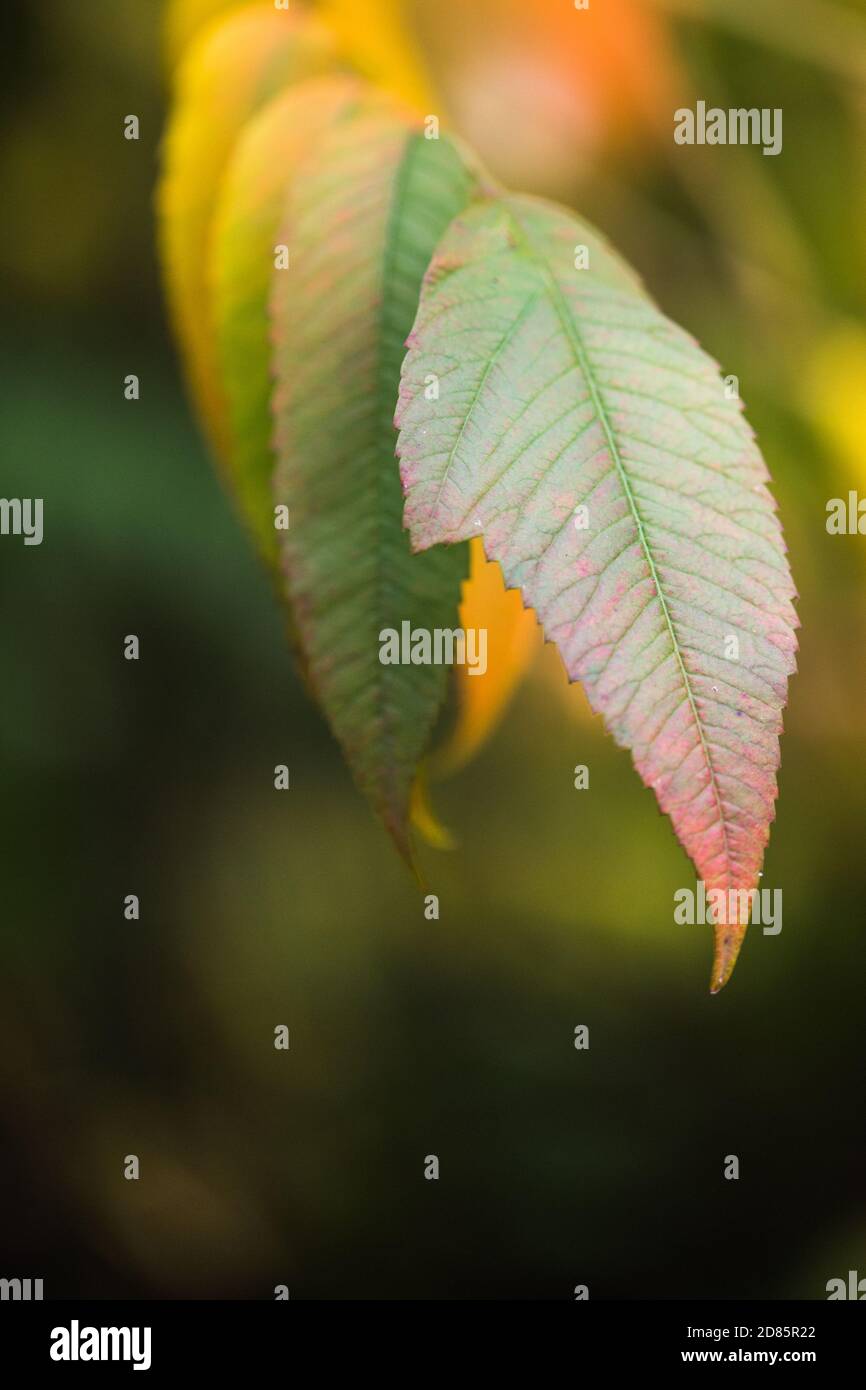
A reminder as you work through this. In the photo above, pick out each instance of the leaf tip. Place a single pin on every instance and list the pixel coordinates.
(423, 817)
(728, 940)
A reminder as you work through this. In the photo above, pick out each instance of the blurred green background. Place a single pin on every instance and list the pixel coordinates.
(410, 1037)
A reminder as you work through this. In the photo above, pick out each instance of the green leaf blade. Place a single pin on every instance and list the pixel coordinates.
(363, 220)
(565, 388)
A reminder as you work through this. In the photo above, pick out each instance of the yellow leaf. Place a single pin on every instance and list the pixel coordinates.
(550, 673)
(376, 40)
(424, 818)
(835, 397)
(513, 642)
(184, 19)
(372, 34)
(247, 226)
(234, 68)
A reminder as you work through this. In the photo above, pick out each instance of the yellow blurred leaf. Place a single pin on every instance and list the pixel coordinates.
(235, 68)
(184, 19)
(424, 818)
(374, 37)
(378, 42)
(550, 673)
(513, 642)
(835, 397)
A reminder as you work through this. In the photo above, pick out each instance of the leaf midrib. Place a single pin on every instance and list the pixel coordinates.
(572, 333)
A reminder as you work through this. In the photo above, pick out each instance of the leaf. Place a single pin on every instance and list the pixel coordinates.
(247, 223)
(365, 214)
(563, 388)
(236, 66)
(423, 817)
(831, 396)
(377, 42)
(513, 641)
(374, 37)
(184, 19)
